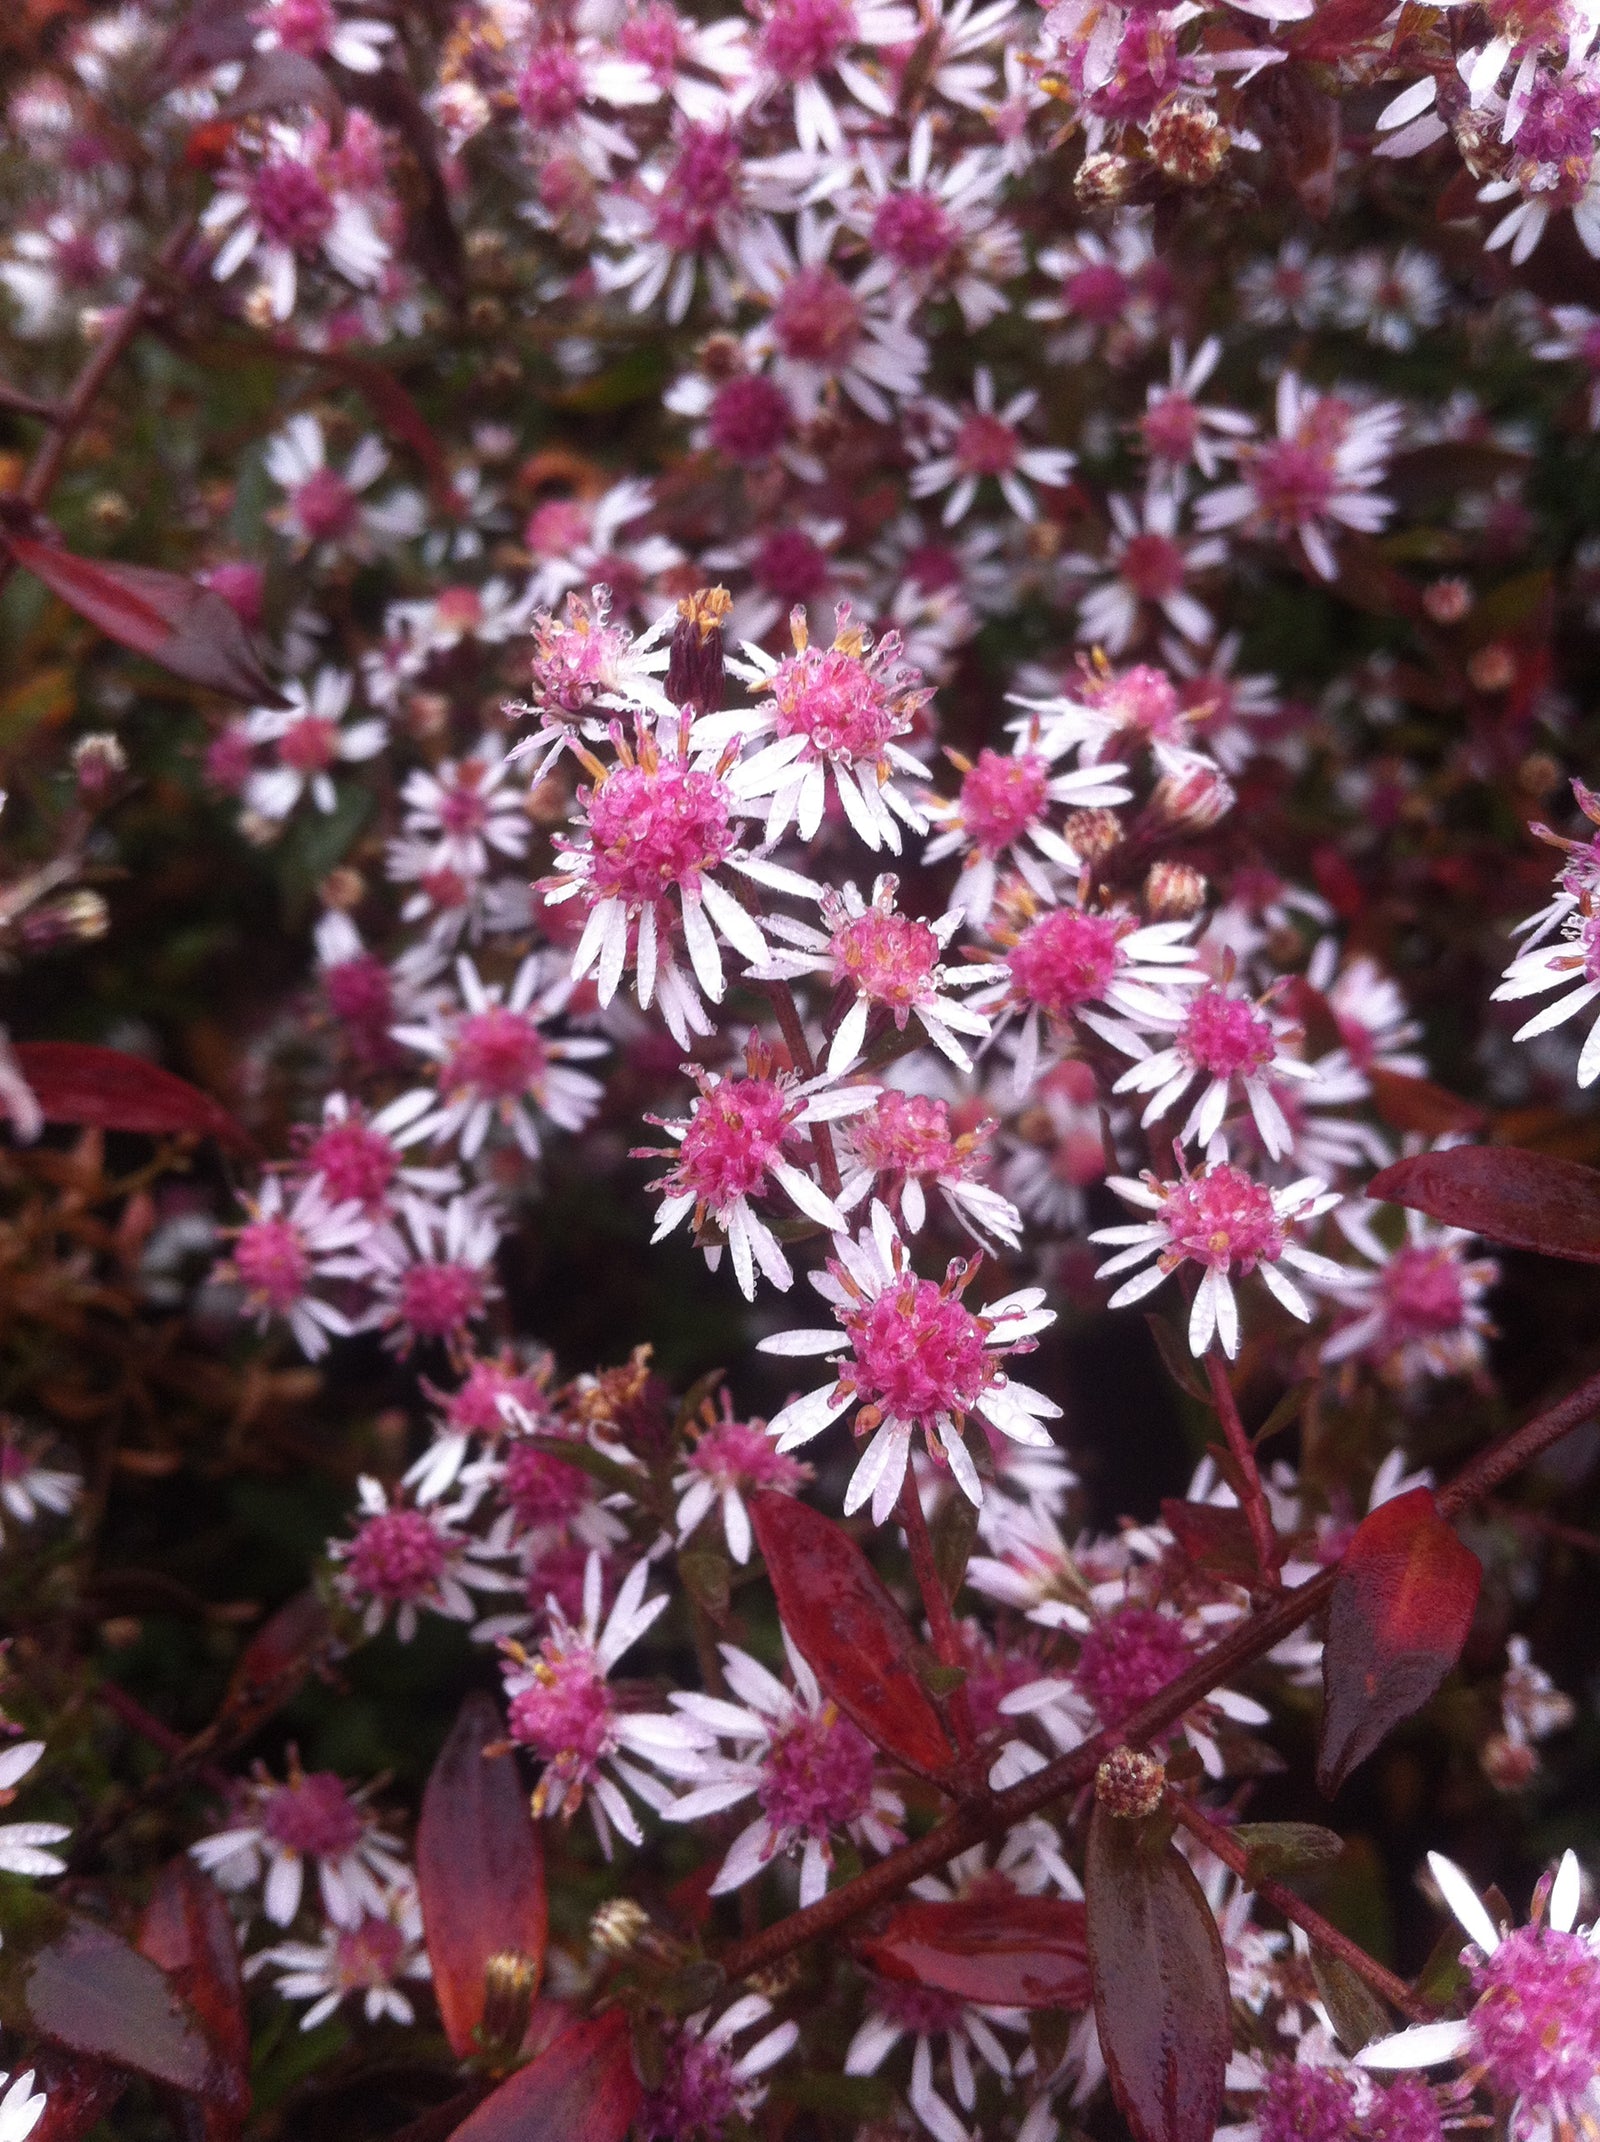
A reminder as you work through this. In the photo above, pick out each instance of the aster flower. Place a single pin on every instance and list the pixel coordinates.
(22, 1843)
(1320, 473)
(982, 441)
(498, 1064)
(21, 2107)
(30, 1489)
(580, 543)
(373, 1957)
(810, 1770)
(281, 200)
(682, 218)
(704, 2085)
(286, 1251)
(325, 511)
(562, 1709)
(1419, 1310)
(1176, 430)
(912, 1355)
(730, 1149)
(1373, 1018)
(407, 1559)
(897, 2009)
(458, 814)
(1001, 816)
(309, 737)
(317, 29)
(1147, 566)
(360, 1159)
(726, 1459)
(1570, 964)
(797, 45)
(1103, 286)
(308, 1821)
(823, 335)
(1532, 2035)
(654, 830)
(431, 1270)
(495, 1397)
(934, 226)
(892, 963)
(1230, 1043)
(1223, 1221)
(838, 712)
(908, 1140)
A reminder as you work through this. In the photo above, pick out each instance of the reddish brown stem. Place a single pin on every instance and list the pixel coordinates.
(792, 1028)
(1263, 1533)
(1295, 1908)
(1521, 1447)
(941, 1620)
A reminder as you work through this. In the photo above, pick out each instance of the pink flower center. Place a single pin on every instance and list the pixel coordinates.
(699, 2093)
(439, 1300)
(817, 1775)
(272, 1263)
(833, 700)
(475, 1406)
(734, 1454)
(290, 204)
(919, 1352)
(542, 1490)
(1002, 795)
(397, 1556)
(573, 664)
(311, 746)
(889, 958)
(1065, 959)
(1557, 135)
(1305, 2104)
(749, 419)
(908, 1132)
(359, 991)
(1226, 1036)
(984, 446)
(1292, 482)
(497, 1055)
(817, 320)
(1140, 697)
(1151, 565)
(924, 2011)
(463, 808)
(354, 1161)
(1170, 427)
(300, 25)
(551, 87)
(792, 566)
(802, 37)
(324, 505)
(734, 1136)
(913, 228)
(1422, 1293)
(702, 182)
(1536, 2023)
(1223, 1220)
(566, 1709)
(652, 831)
(558, 526)
(651, 36)
(1127, 1657)
(312, 1814)
(1097, 292)
(369, 1954)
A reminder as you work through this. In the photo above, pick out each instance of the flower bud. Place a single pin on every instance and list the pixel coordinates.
(1193, 794)
(1447, 601)
(1103, 180)
(98, 761)
(1173, 892)
(694, 667)
(1189, 143)
(509, 1983)
(1129, 1783)
(618, 1926)
(1092, 834)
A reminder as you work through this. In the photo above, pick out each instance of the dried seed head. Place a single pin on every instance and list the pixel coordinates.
(1129, 1783)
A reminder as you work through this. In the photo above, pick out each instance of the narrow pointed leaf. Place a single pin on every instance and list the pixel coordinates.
(582, 2089)
(480, 1869)
(89, 1991)
(1160, 1982)
(1532, 1201)
(993, 1946)
(74, 1082)
(1399, 1617)
(855, 1639)
(188, 629)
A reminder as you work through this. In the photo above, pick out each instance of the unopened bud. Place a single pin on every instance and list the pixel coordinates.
(99, 761)
(619, 1926)
(1509, 1765)
(1493, 668)
(109, 512)
(1195, 794)
(427, 714)
(1173, 892)
(342, 889)
(694, 667)
(1539, 774)
(1447, 601)
(1103, 180)
(1189, 143)
(1092, 834)
(509, 1983)
(78, 919)
(1129, 1783)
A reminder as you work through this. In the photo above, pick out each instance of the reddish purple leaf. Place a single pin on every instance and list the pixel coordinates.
(1530, 1200)
(89, 1991)
(188, 629)
(188, 1932)
(1417, 1104)
(480, 1867)
(277, 1659)
(1400, 1615)
(74, 1082)
(1213, 1536)
(989, 1946)
(582, 2089)
(855, 1639)
(280, 78)
(1160, 1981)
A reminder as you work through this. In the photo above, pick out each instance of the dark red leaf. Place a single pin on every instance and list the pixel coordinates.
(480, 1867)
(992, 1946)
(1336, 26)
(1160, 1981)
(188, 629)
(74, 1082)
(1530, 1200)
(89, 1991)
(212, 33)
(1399, 1617)
(855, 1639)
(583, 2089)
(1213, 1536)
(277, 1659)
(78, 2093)
(188, 1931)
(1417, 1104)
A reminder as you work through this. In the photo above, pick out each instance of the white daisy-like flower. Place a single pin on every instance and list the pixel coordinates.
(374, 1958)
(326, 509)
(1002, 816)
(22, 1843)
(811, 1771)
(1570, 964)
(1230, 1044)
(982, 441)
(309, 737)
(912, 1356)
(308, 1821)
